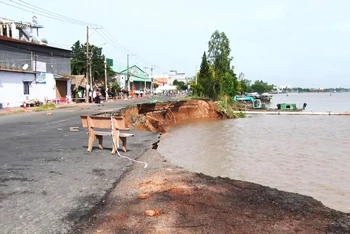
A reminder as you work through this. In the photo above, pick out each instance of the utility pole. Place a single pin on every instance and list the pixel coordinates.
(196, 75)
(35, 59)
(91, 77)
(127, 73)
(106, 86)
(145, 85)
(87, 65)
(151, 80)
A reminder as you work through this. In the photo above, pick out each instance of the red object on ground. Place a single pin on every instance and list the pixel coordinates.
(8, 107)
(25, 106)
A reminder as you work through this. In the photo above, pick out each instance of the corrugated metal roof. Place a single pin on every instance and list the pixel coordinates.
(9, 39)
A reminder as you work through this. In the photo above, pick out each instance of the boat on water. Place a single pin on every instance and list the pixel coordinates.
(290, 107)
(257, 104)
(266, 97)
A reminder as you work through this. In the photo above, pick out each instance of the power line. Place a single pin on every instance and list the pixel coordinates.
(62, 18)
(55, 18)
(126, 50)
(31, 6)
(111, 42)
(116, 41)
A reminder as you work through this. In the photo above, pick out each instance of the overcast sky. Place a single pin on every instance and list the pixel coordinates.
(298, 42)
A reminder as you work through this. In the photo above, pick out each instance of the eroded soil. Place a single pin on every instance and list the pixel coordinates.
(185, 202)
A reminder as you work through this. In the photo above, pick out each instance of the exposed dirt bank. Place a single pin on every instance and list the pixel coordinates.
(184, 202)
(159, 116)
(167, 199)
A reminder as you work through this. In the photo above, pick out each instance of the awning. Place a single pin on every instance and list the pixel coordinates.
(136, 79)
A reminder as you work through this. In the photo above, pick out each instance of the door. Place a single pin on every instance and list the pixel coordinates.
(61, 88)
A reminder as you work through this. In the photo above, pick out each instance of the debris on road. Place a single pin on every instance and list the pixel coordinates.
(74, 129)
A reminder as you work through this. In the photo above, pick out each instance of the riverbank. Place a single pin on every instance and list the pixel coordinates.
(183, 202)
(157, 117)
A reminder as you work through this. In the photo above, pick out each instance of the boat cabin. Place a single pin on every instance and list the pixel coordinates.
(286, 106)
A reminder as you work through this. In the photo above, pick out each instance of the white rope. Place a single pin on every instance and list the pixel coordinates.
(115, 145)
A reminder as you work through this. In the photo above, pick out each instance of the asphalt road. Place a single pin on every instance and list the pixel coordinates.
(48, 182)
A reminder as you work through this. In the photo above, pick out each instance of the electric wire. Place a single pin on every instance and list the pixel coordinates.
(104, 33)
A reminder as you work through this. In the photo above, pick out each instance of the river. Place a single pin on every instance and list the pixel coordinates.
(309, 155)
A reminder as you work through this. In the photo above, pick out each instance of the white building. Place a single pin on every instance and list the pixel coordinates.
(30, 70)
(17, 87)
(179, 76)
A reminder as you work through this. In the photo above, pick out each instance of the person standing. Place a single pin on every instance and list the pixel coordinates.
(90, 95)
(94, 95)
(97, 96)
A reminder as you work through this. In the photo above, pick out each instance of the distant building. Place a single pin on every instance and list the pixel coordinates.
(139, 79)
(174, 75)
(161, 79)
(283, 87)
(29, 69)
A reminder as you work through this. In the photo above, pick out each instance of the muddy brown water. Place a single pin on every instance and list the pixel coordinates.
(309, 155)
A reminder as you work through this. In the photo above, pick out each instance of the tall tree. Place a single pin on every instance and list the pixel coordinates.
(78, 61)
(205, 78)
(224, 79)
(219, 52)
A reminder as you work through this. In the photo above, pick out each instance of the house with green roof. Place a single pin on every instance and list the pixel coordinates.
(139, 79)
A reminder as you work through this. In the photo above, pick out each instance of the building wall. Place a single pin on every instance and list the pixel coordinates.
(15, 58)
(12, 88)
(179, 76)
(121, 81)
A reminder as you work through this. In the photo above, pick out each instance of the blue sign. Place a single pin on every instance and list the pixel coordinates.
(40, 78)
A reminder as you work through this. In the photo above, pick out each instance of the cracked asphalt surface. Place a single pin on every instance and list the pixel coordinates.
(48, 181)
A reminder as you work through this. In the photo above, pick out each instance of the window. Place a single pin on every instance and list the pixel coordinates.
(26, 85)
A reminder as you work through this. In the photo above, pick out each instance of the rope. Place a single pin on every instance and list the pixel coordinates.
(115, 145)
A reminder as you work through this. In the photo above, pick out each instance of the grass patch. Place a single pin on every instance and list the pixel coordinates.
(226, 105)
(46, 107)
(240, 115)
(18, 111)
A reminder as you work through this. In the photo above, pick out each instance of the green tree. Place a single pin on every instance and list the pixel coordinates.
(224, 79)
(205, 79)
(180, 85)
(78, 61)
(245, 84)
(260, 87)
(197, 89)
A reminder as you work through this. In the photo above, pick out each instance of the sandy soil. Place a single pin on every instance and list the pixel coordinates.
(166, 199)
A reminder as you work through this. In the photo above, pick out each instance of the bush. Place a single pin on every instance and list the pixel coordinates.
(225, 105)
(46, 107)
